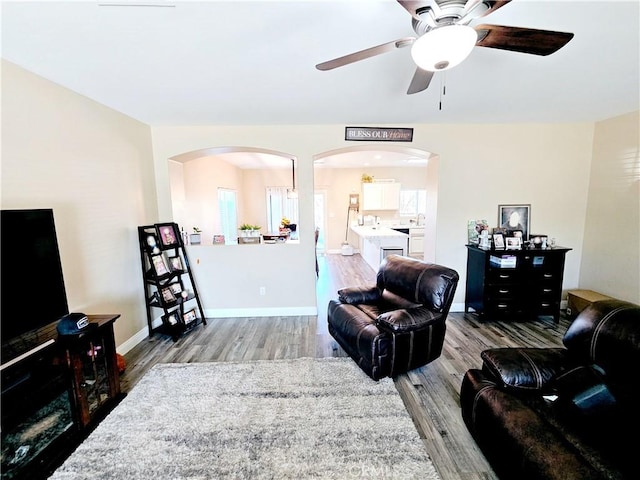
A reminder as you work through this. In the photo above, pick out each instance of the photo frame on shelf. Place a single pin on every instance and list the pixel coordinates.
(515, 217)
(538, 240)
(218, 240)
(176, 289)
(475, 229)
(189, 316)
(159, 265)
(498, 241)
(176, 264)
(169, 237)
(172, 318)
(513, 243)
(167, 295)
(151, 241)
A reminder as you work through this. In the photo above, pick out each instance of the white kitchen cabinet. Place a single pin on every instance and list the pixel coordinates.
(416, 241)
(381, 196)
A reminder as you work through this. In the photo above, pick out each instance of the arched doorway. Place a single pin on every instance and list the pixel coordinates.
(337, 173)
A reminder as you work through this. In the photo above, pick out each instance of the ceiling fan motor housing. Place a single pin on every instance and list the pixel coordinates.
(447, 12)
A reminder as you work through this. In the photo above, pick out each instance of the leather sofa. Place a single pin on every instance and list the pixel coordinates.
(399, 323)
(568, 413)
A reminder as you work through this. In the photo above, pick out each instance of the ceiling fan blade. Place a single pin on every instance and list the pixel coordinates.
(420, 81)
(524, 40)
(367, 53)
(493, 5)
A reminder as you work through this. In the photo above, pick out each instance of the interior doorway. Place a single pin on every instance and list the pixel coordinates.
(339, 174)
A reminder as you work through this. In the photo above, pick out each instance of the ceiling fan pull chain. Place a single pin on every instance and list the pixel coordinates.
(443, 88)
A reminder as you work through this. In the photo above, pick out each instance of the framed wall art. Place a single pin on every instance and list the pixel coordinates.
(515, 217)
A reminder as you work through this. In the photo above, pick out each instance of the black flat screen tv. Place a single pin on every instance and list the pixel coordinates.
(32, 290)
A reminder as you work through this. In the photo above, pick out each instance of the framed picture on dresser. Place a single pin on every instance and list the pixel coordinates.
(498, 241)
(515, 217)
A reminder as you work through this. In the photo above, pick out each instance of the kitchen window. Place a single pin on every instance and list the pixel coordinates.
(280, 205)
(228, 214)
(413, 202)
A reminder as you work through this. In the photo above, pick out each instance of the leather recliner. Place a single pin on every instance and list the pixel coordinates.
(562, 413)
(399, 323)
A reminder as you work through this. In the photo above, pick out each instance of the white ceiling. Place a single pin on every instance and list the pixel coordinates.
(253, 63)
(240, 62)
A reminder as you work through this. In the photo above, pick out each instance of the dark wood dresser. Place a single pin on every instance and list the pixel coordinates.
(514, 284)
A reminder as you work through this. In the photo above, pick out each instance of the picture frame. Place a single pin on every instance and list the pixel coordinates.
(171, 319)
(176, 289)
(159, 265)
(513, 243)
(169, 237)
(498, 241)
(189, 316)
(167, 295)
(515, 217)
(218, 240)
(474, 230)
(538, 240)
(176, 264)
(151, 241)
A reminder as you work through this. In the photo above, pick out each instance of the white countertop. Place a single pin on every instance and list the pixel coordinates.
(377, 232)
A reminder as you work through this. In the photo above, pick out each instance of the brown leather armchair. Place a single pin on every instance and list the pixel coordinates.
(562, 413)
(399, 323)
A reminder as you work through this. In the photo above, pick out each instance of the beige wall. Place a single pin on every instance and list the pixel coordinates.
(480, 167)
(94, 167)
(611, 255)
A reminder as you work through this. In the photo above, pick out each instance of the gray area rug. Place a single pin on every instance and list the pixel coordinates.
(280, 419)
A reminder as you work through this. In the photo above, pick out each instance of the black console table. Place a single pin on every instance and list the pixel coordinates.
(510, 284)
(54, 393)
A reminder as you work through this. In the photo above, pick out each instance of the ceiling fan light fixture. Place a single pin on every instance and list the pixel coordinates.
(444, 47)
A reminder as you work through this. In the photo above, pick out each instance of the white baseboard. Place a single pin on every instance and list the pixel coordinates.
(260, 312)
(124, 348)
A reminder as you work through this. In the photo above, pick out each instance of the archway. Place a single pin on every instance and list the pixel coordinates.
(388, 160)
(197, 178)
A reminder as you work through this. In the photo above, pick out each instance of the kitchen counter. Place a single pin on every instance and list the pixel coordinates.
(373, 242)
(377, 232)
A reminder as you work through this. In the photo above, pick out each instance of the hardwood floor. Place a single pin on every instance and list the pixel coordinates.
(430, 393)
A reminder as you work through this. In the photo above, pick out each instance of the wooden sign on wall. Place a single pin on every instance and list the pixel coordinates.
(378, 134)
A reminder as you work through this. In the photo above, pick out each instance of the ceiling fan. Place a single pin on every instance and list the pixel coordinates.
(444, 37)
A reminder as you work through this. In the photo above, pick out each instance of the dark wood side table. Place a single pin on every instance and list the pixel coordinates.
(91, 359)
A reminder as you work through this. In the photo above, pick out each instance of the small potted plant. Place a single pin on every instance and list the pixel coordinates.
(248, 230)
(194, 238)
